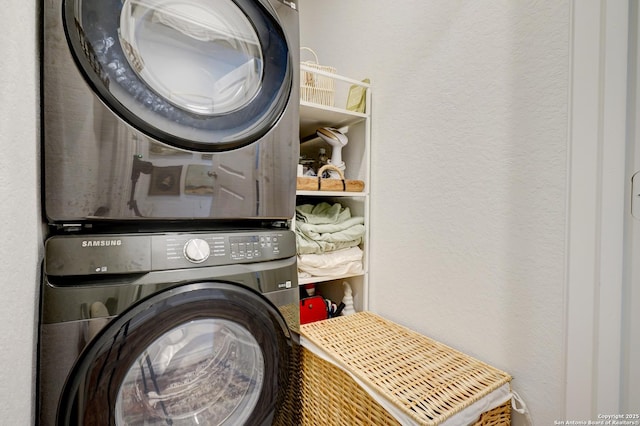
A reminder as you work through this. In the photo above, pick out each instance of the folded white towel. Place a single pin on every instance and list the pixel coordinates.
(336, 263)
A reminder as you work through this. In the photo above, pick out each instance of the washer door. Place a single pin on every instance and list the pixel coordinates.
(197, 74)
(207, 353)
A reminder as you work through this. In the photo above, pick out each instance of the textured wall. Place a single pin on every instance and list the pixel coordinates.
(19, 211)
(469, 178)
(469, 172)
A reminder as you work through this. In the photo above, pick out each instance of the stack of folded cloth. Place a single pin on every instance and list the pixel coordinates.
(327, 238)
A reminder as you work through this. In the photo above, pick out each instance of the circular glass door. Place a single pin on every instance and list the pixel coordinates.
(206, 61)
(195, 74)
(203, 353)
(207, 371)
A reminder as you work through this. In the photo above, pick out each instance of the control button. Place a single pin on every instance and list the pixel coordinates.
(197, 250)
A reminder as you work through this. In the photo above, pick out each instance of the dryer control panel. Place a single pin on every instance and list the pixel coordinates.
(138, 253)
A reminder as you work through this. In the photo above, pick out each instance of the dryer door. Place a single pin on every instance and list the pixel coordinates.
(206, 353)
(196, 74)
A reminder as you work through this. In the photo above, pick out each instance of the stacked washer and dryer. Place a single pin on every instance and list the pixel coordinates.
(170, 145)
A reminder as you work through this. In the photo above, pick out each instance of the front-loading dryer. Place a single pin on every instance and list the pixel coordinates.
(169, 109)
(169, 329)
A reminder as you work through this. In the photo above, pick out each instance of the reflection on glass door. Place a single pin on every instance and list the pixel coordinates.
(207, 371)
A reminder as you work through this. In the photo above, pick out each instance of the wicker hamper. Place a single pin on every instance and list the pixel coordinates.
(425, 380)
(289, 403)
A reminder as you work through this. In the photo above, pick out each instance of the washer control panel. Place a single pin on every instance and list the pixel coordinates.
(131, 253)
(182, 250)
(197, 250)
(253, 247)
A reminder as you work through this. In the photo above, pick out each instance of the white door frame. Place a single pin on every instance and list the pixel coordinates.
(595, 213)
(631, 291)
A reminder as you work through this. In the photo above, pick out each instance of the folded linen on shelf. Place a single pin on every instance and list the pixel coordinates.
(337, 263)
(322, 213)
(324, 227)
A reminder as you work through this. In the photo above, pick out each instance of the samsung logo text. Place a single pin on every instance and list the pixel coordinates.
(101, 243)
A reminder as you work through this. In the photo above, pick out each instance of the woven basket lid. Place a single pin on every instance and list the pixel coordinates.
(425, 379)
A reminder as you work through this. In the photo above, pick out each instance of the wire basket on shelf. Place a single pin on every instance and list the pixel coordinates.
(315, 87)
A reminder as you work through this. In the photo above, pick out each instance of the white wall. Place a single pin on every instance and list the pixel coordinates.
(470, 123)
(469, 172)
(19, 210)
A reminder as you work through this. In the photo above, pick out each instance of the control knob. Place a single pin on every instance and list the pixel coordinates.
(197, 250)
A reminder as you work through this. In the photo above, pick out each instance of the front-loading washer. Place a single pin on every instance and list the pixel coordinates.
(169, 329)
(169, 110)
